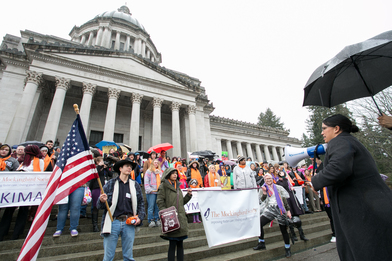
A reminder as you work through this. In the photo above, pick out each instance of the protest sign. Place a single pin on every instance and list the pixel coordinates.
(18, 188)
(229, 215)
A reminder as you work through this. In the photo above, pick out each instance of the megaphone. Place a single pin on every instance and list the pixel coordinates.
(295, 155)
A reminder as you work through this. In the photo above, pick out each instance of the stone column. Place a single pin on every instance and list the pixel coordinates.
(83, 40)
(282, 156)
(98, 40)
(275, 153)
(127, 43)
(18, 124)
(135, 121)
(266, 153)
(143, 49)
(219, 147)
(176, 138)
(90, 39)
(107, 38)
(249, 151)
(258, 153)
(239, 149)
(156, 121)
(85, 108)
(148, 54)
(52, 123)
(192, 127)
(229, 150)
(110, 120)
(117, 43)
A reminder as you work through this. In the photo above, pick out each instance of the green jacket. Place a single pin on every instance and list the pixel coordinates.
(167, 197)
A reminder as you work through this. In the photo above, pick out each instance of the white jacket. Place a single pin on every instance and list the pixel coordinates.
(244, 178)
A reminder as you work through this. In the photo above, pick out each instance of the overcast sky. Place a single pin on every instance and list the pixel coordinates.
(249, 55)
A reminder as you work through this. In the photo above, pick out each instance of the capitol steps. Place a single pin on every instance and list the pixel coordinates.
(149, 246)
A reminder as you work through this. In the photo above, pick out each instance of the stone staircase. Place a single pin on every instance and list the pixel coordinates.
(149, 246)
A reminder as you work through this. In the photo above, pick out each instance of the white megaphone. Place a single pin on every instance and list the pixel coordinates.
(295, 155)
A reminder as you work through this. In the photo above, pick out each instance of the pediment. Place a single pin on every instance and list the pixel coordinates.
(120, 64)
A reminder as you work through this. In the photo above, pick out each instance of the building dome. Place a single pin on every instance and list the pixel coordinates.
(122, 13)
(117, 31)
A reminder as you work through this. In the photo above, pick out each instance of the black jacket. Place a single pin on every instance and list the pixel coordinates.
(361, 202)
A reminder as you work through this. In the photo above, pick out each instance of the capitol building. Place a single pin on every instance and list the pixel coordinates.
(111, 68)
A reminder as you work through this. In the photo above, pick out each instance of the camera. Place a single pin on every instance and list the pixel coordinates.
(131, 220)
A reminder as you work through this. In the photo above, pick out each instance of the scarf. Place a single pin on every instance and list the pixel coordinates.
(181, 175)
(158, 178)
(277, 196)
(308, 178)
(290, 180)
(133, 174)
(195, 174)
(174, 185)
(242, 166)
(224, 173)
(36, 166)
(47, 161)
(3, 165)
(326, 197)
(107, 226)
(211, 179)
(299, 180)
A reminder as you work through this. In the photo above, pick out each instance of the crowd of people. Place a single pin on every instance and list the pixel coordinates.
(347, 177)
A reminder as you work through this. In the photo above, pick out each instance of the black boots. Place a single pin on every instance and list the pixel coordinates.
(292, 234)
(95, 220)
(288, 252)
(260, 245)
(302, 235)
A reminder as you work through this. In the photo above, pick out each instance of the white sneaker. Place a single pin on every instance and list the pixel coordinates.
(333, 240)
(158, 223)
(152, 224)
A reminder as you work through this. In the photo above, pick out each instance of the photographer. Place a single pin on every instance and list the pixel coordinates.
(203, 166)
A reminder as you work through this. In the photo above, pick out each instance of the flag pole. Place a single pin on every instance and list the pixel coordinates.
(76, 108)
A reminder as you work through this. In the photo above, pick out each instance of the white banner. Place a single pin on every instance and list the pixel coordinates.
(229, 215)
(298, 193)
(18, 188)
(193, 205)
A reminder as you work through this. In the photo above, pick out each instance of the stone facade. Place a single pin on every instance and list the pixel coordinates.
(110, 67)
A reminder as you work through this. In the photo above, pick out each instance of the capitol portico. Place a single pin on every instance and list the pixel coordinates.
(111, 68)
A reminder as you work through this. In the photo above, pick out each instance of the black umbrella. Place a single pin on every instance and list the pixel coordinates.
(32, 142)
(143, 154)
(359, 70)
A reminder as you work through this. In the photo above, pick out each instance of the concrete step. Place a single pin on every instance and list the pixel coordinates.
(271, 238)
(89, 245)
(274, 250)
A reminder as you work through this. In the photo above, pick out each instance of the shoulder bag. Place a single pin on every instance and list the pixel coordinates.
(169, 218)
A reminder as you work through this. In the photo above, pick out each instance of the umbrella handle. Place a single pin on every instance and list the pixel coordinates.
(378, 108)
(367, 87)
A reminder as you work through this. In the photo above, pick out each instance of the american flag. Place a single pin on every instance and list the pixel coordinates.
(74, 167)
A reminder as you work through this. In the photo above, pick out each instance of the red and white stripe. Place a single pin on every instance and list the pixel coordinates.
(78, 170)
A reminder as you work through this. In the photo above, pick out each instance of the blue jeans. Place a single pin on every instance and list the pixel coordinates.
(304, 205)
(127, 233)
(152, 207)
(74, 204)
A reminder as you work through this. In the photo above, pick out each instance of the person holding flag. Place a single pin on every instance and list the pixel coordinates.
(125, 198)
(274, 206)
(74, 167)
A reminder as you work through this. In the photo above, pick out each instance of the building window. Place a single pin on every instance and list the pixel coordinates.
(122, 46)
(113, 44)
(118, 138)
(95, 137)
(140, 143)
